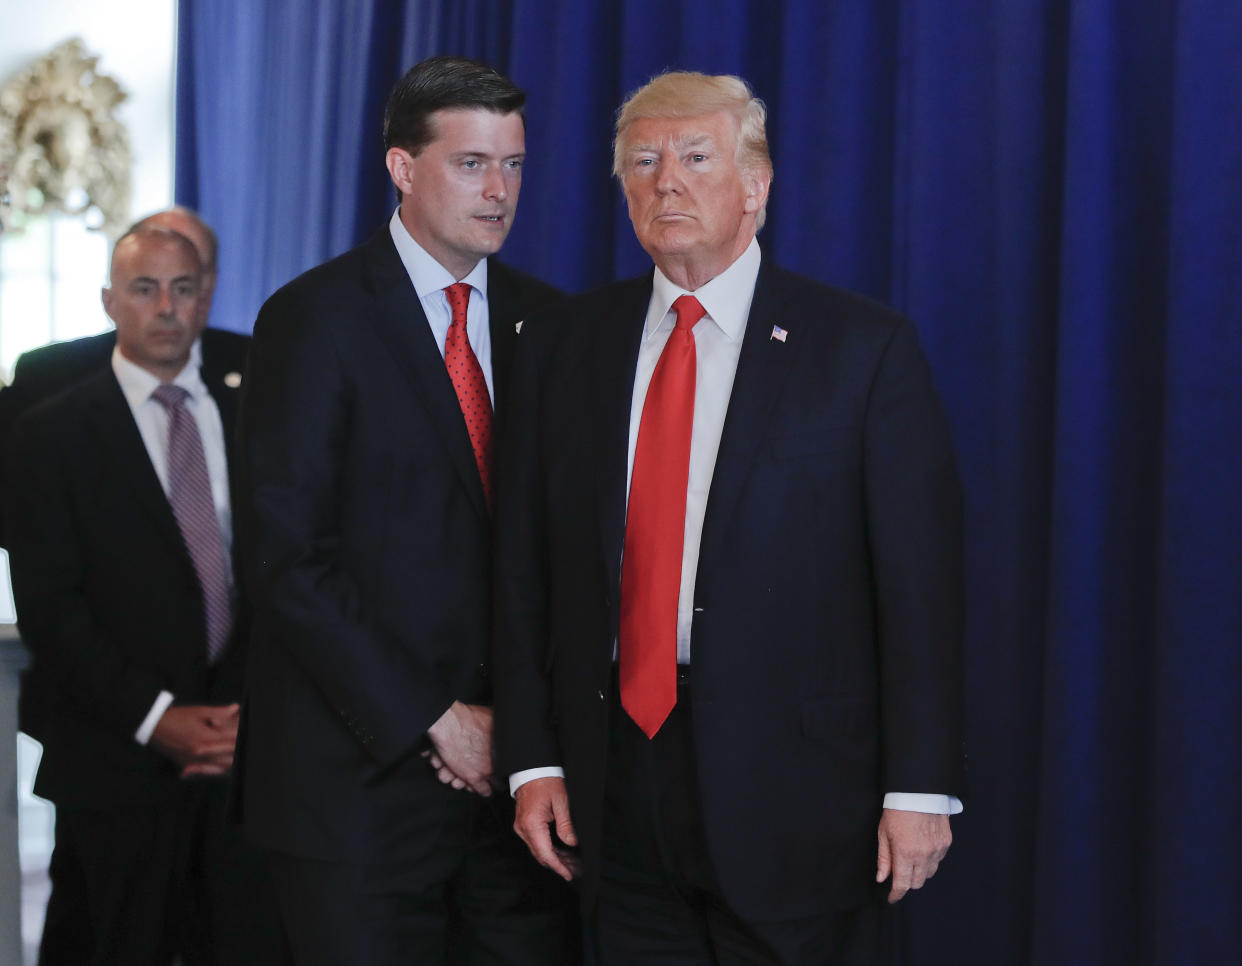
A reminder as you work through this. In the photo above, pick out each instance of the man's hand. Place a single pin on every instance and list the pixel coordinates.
(461, 750)
(912, 845)
(198, 737)
(542, 802)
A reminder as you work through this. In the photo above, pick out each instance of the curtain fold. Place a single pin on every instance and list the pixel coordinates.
(1052, 190)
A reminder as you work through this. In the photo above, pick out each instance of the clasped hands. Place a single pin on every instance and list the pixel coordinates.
(199, 738)
(461, 748)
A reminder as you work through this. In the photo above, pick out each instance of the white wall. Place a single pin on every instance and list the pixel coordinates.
(50, 275)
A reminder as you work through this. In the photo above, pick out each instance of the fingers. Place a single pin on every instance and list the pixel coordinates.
(911, 847)
(911, 875)
(571, 861)
(206, 769)
(224, 716)
(202, 750)
(481, 785)
(884, 859)
(209, 766)
(564, 824)
(539, 840)
(541, 804)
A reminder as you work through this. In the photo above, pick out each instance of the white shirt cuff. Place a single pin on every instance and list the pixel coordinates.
(920, 802)
(903, 801)
(147, 728)
(520, 778)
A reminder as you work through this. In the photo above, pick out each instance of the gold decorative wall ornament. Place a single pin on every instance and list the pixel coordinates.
(60, 142)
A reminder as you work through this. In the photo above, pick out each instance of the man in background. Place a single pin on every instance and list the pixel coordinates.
(729, 562)
(377, 389)
(45, 371)
(38, 375)
(120, 539)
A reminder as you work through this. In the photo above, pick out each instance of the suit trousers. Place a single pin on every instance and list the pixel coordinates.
(659, 900)
(472, 896)
(166, 880)
(66, 939)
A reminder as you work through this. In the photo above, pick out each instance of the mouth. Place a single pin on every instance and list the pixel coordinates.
(491, 219)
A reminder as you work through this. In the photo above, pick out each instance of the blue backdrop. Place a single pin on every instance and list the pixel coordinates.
(1053, 191)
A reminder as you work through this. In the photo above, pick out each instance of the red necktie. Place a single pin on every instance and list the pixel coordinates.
(655, 527)
(468, 382)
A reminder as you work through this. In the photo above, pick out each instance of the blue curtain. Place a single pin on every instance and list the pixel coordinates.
(1053, 191)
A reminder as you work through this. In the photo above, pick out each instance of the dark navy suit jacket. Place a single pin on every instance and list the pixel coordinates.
(107, 597)
(828, 603)
(367, 549)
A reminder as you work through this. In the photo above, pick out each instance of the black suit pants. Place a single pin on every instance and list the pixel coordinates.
(659, 900)
(470, 895)
(170, 879)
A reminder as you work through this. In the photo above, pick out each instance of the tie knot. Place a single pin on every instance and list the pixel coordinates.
(169, 396)
(458, 295)
(689, 311)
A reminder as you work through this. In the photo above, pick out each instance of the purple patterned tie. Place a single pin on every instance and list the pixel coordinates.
(189, 495)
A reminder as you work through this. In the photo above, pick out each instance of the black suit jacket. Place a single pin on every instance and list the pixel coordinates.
(828, 603)
(107, 597)
(367, 553)
(43, 372)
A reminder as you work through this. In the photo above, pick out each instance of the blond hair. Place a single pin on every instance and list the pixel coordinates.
(684, 93)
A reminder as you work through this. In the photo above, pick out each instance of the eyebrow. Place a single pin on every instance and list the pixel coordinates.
(460, 155)
(152, 280)
(681, 143)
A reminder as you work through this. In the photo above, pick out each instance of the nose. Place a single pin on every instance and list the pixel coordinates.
(494, 187)
(668, 179)
(166, 302)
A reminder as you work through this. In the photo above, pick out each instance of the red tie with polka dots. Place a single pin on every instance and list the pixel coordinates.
(467, 376)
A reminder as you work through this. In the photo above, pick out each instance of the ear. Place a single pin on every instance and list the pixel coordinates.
(756, 183)
(400, 168)
(105, 296)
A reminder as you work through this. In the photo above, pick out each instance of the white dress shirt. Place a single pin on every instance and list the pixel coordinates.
(717, 345)
(151, 417)
(430, 279)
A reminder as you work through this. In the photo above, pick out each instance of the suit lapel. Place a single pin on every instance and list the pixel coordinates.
(117, 438)
(619, 333)
(226, 401)
(402, 325)
(761, 372)
(223, 377)
(503, 314)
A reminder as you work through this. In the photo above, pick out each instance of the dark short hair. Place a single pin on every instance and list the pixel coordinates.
(440, 83)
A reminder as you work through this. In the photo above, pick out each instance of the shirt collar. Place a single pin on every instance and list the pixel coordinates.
(137, 384)
(726, 298)
(426, 274)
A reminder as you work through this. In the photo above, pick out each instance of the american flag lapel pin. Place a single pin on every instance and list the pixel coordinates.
(778, 333)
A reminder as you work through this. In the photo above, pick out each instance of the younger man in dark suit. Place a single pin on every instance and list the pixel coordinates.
(378, 382)
(119, 535)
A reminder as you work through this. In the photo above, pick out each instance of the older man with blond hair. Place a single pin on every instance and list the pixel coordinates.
(730, 578)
